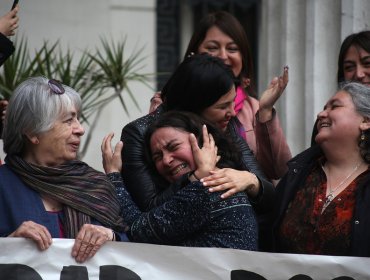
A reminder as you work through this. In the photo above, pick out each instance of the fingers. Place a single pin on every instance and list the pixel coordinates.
(206, 136)
(283, 81)
(112, 160)
(193, 143)
(217, 186)
(228, 193)
(10, 22)
(118, 148)
(36, 232)
(105, 145)
(273, 83)
(155, 101)
(88, 241)
(286, 74)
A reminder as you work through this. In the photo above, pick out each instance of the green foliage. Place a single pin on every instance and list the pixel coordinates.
(100, 76)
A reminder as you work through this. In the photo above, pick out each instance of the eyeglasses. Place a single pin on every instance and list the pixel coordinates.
(56, 87)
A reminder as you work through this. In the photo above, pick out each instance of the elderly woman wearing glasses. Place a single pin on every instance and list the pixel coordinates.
(45, 192)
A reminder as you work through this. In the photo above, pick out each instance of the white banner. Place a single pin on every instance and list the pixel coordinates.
(20, 259)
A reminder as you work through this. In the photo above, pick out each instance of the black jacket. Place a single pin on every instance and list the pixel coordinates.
(6, 48)
(299, 168)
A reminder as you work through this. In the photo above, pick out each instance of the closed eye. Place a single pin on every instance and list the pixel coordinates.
(156, 157)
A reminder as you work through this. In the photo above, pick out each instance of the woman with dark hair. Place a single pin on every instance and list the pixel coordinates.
(354, 58)
(204, 85)
(220, 34)
(353, 63)
(183, 148)
(323, 201)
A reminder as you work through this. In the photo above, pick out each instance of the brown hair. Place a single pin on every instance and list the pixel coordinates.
(229, 25)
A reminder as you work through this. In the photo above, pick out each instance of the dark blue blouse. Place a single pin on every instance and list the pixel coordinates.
(193, 217)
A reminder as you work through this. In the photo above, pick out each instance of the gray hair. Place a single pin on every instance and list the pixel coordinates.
(360, 95)
(33, 109)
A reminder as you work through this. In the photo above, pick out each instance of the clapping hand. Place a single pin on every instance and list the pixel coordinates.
(271, 95)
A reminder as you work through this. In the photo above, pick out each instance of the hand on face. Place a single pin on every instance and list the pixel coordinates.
(112, 160)
(9, 22)
(271, 95)
(36, 232)
(205, 158)
(89, 240)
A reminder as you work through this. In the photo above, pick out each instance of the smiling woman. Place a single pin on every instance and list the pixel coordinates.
(45, 192)
(323, 200)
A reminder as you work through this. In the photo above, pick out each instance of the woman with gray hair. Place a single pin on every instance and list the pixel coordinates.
(45, 192)
(323, 201)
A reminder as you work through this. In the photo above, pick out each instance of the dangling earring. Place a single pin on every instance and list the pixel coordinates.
(363, 136)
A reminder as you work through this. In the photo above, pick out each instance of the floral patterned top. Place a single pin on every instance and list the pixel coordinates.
(308, 229)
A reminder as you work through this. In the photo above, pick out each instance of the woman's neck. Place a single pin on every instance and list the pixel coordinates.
(343, 159)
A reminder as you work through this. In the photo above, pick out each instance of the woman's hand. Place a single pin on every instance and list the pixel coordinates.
(155, 101)
(205, 158)
(112, 161)
(9, 22)
(89, 240)
(232, 180)
(271, 95)
(36, 232)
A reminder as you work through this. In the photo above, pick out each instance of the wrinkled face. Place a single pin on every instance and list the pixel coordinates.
(222, 111)
(219, 44)
(171, 153)
(356, 65)
(339, 121)
(61, 143)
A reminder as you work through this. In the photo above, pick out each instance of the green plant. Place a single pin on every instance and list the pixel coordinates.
(100, 76)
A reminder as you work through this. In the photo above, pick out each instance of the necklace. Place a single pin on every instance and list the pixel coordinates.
(330, 196)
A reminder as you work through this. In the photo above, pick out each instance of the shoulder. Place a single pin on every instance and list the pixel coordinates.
(6, 172)
(140, 125)
(307, 156)
(9, 178)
